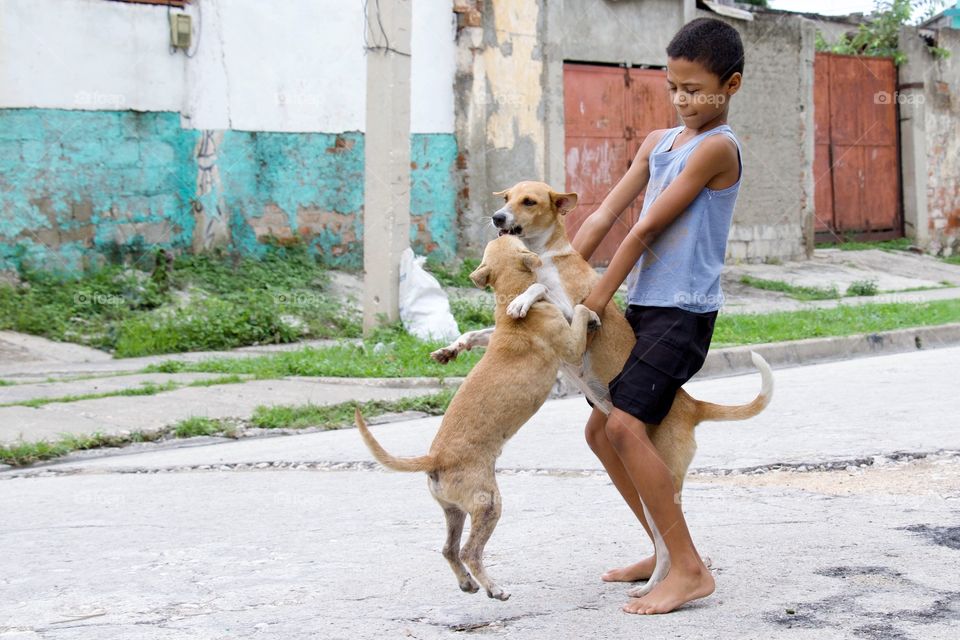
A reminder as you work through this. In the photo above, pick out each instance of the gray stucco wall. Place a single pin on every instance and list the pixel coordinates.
(929, 102)
(510, 121)
(773, 117)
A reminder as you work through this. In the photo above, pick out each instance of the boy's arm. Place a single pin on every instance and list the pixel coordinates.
(715, 155)
(598, 224)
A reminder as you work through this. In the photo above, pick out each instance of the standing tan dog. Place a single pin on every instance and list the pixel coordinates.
(503, 390)
(534, 213)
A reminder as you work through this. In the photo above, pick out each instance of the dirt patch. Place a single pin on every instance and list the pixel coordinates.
(931, 476)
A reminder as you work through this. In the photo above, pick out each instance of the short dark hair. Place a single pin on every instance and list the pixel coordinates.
(714, 44)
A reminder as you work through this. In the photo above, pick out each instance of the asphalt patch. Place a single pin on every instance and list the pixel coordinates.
(944, 536)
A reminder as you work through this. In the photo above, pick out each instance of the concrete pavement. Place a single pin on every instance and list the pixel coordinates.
(300, 537)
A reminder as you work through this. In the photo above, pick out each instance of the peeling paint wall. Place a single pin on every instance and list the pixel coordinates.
(80, 186)
(510, 118)
(111, 146)
(72, 182)
(929, 103)
(773, 118)
(942, 126)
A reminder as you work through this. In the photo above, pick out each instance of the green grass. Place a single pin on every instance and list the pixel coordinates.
(952, 259)
(199, 302)
(6, 383)
(799, 293)
(196, 426)
(862, 288)
(145, 389)
(472, 313)
(844, 320)
(897, 244)
(289, 417)
(389, 353)
(23, 453)
(338, 415)
(459, 277)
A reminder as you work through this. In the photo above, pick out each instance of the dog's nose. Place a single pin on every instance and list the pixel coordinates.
(499, 219)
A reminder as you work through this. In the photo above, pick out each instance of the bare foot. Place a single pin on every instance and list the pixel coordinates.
(639, 571)
(678, 588)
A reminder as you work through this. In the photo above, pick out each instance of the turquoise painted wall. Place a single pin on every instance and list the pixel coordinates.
(77, 186)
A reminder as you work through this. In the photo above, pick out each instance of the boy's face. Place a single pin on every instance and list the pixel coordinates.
(697, 93)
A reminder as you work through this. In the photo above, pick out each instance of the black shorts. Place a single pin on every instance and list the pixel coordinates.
(671, 346)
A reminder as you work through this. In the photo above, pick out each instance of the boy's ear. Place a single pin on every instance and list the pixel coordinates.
(480, 276)
(564, 202)
(531, 260)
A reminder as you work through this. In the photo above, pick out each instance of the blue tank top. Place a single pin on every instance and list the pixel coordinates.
(682, 267)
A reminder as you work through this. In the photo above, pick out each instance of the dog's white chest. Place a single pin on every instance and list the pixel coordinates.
(549, 276)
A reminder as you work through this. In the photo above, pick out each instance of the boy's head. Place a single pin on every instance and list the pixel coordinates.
(704, 68)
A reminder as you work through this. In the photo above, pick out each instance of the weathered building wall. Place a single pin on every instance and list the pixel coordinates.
(111, 145)
(929, 101)
(773, 118)
(510, 120)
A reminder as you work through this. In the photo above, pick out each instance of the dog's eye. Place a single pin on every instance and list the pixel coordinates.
(527, 202)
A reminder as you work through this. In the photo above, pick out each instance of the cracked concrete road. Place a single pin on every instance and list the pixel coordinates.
(835, 514)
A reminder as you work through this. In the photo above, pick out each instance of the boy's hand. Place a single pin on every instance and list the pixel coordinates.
(595, 303)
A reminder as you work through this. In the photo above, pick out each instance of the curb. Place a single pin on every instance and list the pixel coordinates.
(731, 361)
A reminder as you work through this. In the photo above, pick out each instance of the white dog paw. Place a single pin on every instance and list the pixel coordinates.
(639, 592)
(518, 307)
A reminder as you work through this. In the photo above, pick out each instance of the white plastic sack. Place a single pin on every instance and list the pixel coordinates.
(424, 308)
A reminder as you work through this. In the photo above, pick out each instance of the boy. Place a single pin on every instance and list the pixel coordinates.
(692, 176)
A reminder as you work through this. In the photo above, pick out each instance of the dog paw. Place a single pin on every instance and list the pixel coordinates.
(639, 592)
(498, 594)
(445, 355)
(594, 322)
(469, 586)
(517, 308)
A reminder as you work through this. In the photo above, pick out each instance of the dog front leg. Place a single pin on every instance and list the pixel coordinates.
(520, 305)
(572, 339)
(467, 341)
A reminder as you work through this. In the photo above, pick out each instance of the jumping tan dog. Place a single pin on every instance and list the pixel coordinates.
(534, 213)
(503, 390)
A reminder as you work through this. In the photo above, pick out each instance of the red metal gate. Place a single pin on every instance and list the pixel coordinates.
(608, 111)
(856, 165)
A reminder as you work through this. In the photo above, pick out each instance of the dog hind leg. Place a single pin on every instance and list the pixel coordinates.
(484, 514)
(451, 549)
(663, 560)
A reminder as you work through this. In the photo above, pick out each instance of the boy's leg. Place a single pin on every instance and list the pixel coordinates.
(600, 445)
(688, 578)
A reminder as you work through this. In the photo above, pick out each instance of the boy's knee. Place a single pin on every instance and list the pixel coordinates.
(595, 433)
(619, 432)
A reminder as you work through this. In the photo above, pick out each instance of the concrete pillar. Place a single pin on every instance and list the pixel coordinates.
(911, 96)
(386, 207)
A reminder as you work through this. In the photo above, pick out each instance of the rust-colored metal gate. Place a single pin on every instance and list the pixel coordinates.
(608, 111)
(856, 165)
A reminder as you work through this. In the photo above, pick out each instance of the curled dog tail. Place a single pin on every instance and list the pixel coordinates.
(423, 463)
(711, 411)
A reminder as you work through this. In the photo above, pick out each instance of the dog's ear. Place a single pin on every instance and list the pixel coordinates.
(501, 194)
(480, 276)
(531, 260)
(564, 202)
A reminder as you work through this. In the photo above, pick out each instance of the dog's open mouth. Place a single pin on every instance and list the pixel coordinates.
(513, 231)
